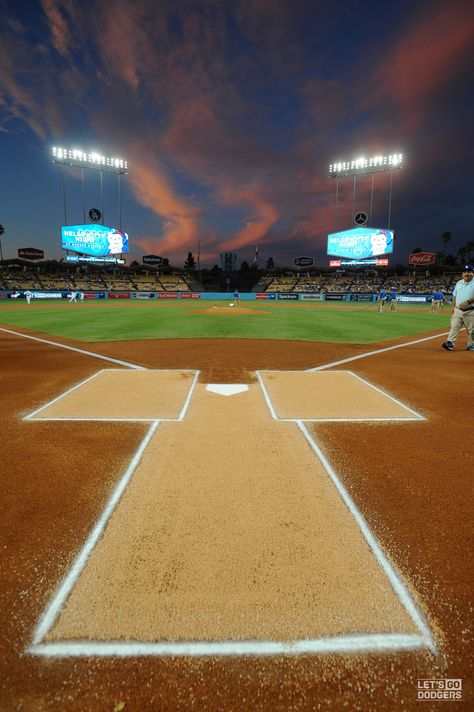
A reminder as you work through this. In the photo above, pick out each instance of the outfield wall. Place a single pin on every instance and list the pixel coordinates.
(366, 297)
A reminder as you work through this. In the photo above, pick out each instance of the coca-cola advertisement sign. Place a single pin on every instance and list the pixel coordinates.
(422, 258)
(30, 253)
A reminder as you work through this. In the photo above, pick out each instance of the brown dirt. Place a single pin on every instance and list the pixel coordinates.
(220, 310)
(412, 482)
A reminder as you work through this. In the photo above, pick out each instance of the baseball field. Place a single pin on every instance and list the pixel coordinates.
(264, 507)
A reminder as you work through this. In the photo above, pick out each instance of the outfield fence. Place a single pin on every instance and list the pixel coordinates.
(367, 297)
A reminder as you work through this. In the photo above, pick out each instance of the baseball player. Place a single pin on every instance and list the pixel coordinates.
(462, 310)
(73, 297)
(381, 299)
(393, 300)
(436, 300)
(28, 296)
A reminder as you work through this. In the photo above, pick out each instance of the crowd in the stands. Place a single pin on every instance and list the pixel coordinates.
(43, 277)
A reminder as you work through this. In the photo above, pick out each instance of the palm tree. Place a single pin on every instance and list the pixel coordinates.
(445, 238)
(2, 232)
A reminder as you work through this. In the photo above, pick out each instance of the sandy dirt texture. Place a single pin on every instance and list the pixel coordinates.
(412, 481)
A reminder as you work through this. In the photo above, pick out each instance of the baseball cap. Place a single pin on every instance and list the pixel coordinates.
(468, 268)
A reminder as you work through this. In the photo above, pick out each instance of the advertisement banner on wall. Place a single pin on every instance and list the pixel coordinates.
(303, 261)
(167, 295)
(288, 296)
(334, 297)
(413, 298)
(422, 258)
(312, 297)
(48, 295)
(190, 295)
(119, 295)
(30, 253)
(152, 260)
(143, 295)
(266, 295)
(360, 297)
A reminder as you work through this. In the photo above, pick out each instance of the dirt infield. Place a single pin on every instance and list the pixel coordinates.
(411, 481)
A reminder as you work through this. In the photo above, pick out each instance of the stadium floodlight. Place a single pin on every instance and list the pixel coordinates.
(359, 166)
(83, 159)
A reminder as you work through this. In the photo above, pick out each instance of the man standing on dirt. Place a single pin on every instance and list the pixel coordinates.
(236, 296)
(462, 310)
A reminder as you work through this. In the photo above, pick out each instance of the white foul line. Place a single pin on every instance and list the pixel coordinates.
(74, 348)
(375, 353)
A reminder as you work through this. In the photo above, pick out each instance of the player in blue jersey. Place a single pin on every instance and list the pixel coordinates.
(393, 300)
(436, 300)
(381, 299)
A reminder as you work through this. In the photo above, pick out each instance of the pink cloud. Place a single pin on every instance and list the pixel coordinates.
(425, 59)
(181, 229)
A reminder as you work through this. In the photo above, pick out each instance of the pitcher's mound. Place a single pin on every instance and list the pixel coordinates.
(216, 309)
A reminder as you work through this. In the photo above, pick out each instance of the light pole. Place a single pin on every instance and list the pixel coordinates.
(2, 232)
(92, 160)
(362, 166)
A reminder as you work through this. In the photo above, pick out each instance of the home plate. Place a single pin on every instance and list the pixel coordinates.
(227, 389)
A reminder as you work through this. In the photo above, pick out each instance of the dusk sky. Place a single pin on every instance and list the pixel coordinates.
(229, 113)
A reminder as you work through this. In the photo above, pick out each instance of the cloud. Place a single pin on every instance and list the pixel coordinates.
(61, 36)
(425, 59)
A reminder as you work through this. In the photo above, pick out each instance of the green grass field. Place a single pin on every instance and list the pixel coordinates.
(114, 320)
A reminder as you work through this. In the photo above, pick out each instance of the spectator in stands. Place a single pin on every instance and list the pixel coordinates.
(436, 300)
(462, 310)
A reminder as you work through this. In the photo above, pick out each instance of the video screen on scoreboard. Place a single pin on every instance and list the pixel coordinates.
(360, 243)
(95, 240)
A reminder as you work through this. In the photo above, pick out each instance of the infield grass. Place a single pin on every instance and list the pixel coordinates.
(134, 320)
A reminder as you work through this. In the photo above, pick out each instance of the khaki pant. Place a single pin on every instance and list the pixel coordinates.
(458, 320)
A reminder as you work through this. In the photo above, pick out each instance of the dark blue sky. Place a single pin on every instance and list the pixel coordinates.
(229, 114)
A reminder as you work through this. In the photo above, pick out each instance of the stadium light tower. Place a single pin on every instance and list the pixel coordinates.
(93, 160)
(358, 166)
(361, 166)
(83, 159)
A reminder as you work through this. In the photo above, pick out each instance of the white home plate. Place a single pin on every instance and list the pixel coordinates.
(227, 389)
